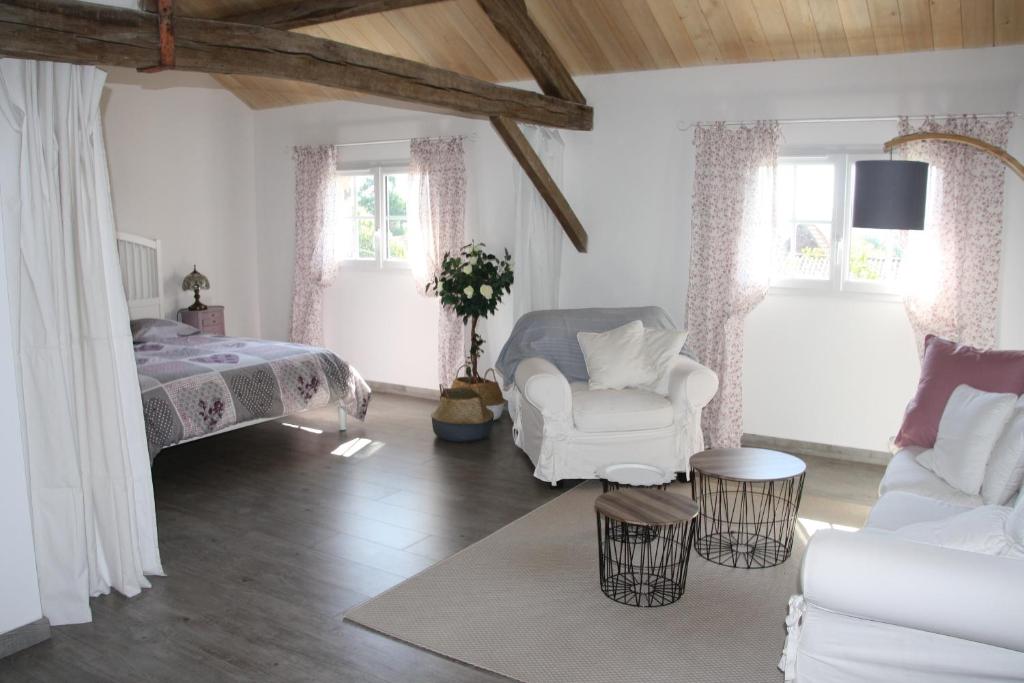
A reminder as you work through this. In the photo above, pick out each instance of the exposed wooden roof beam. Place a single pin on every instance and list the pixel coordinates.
(298, 13)
(541, 179)
(84, 33)
(513, 22)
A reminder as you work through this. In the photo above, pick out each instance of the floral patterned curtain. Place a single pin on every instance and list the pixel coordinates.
(730, 258)
(952, 274)
(315, 258)
(439, 173)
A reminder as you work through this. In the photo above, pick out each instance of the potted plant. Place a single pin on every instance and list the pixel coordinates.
(472, 283)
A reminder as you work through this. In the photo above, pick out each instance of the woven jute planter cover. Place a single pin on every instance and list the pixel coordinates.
(462, 406)
(488, 390)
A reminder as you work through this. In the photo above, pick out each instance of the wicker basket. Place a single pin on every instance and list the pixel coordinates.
(488, 390)
(461, 406)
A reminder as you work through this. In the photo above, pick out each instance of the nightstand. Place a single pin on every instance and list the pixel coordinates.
(210, 321)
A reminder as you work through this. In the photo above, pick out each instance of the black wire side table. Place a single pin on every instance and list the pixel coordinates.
(749, 499)
(644, 538)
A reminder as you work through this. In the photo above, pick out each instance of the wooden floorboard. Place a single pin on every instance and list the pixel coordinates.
(267, 539)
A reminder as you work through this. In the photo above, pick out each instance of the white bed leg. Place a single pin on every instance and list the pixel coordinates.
(342, 418)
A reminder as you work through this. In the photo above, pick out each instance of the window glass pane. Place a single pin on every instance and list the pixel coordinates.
(367, 238)
(354, 216)
(397, 209)
(366, 196)
(398, 239)
(875, 255)
(804, 200)
(398, 194)
(815, 190)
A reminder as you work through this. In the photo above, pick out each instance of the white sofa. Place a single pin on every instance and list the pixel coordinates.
(878, 607)
(570, 431)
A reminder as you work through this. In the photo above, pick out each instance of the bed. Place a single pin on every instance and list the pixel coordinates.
(194, 385)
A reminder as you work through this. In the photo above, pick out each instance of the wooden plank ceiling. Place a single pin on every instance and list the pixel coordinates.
(606, 36)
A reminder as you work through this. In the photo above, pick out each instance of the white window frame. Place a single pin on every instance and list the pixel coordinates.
(379, 171)
(842, 216)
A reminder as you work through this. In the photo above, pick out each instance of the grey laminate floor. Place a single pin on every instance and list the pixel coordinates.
(267, 538)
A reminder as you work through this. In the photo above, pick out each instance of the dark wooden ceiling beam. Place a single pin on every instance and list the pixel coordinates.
(299, 13)
(84, 33)
(513, 22)
(538, 174)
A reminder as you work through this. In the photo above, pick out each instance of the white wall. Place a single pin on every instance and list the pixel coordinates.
(1011, 285)
(374, 319)
(837, 370)
(180, 150)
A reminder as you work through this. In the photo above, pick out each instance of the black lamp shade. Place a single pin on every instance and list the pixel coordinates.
(890, 194)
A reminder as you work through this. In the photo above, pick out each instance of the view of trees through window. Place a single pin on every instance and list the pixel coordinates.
(372, 215)
(813, 200)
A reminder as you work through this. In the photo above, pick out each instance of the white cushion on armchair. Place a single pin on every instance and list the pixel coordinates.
(618, 410)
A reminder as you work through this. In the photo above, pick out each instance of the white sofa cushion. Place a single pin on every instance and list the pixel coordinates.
(907, 475)
(898, 509)
(978, 530)
(1005, 470)
(968, 431)
(616, 359)
(660, 348)
(619, 410)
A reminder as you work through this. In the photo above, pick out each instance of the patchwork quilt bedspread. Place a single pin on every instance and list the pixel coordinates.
(201, 384)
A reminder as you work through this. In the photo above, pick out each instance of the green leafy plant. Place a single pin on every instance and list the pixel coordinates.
(472, 283)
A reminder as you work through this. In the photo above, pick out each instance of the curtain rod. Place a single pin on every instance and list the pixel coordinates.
(682, 125)
(469, 138)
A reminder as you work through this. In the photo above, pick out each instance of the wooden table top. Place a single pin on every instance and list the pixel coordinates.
(649, 507)
(747, 464)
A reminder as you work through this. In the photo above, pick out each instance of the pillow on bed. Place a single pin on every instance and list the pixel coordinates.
(153, 329)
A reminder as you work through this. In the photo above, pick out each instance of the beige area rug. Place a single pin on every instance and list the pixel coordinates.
(525, 603)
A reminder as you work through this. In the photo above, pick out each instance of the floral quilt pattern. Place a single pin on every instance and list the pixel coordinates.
(198, 385)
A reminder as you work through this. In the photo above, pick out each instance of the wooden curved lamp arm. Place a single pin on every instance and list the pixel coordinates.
(997, 152)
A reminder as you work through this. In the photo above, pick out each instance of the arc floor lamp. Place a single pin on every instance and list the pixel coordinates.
(890, 194)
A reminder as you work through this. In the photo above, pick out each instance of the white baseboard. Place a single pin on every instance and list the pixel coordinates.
(403, 390)
(820, 450)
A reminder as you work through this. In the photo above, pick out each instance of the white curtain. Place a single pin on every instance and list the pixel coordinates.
(952, 272)
(439, 207)
(93, 515)
(538, 242)
(316, 263)
(730, 263)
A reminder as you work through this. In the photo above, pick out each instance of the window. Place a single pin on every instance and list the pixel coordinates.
(815, 246)
(372, 220)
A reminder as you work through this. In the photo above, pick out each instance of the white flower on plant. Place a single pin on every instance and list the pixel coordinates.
(468, 291)
(467, 269)
(440, 285)
(472, 260)
(486, 291)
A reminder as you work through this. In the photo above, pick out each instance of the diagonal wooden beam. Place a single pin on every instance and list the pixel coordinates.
(542, 180)
(299, 13)
(84, 33)
(513, 22)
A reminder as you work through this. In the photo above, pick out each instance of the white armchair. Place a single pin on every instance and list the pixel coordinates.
(570, 431)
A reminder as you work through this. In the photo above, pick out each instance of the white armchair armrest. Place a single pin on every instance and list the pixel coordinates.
(544, 386)
(690, 385)
(882, 577)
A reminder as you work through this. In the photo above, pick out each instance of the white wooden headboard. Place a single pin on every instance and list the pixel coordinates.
(140, 274)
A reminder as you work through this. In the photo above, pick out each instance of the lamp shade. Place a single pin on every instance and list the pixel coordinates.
(195, 280)
(889, 194)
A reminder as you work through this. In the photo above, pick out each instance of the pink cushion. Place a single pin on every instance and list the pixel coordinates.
(946, 366)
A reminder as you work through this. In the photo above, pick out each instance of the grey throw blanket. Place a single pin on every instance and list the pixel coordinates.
(552, 335)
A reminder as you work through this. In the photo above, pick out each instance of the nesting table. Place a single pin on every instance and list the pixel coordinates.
(749, 499)
(644, 537)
